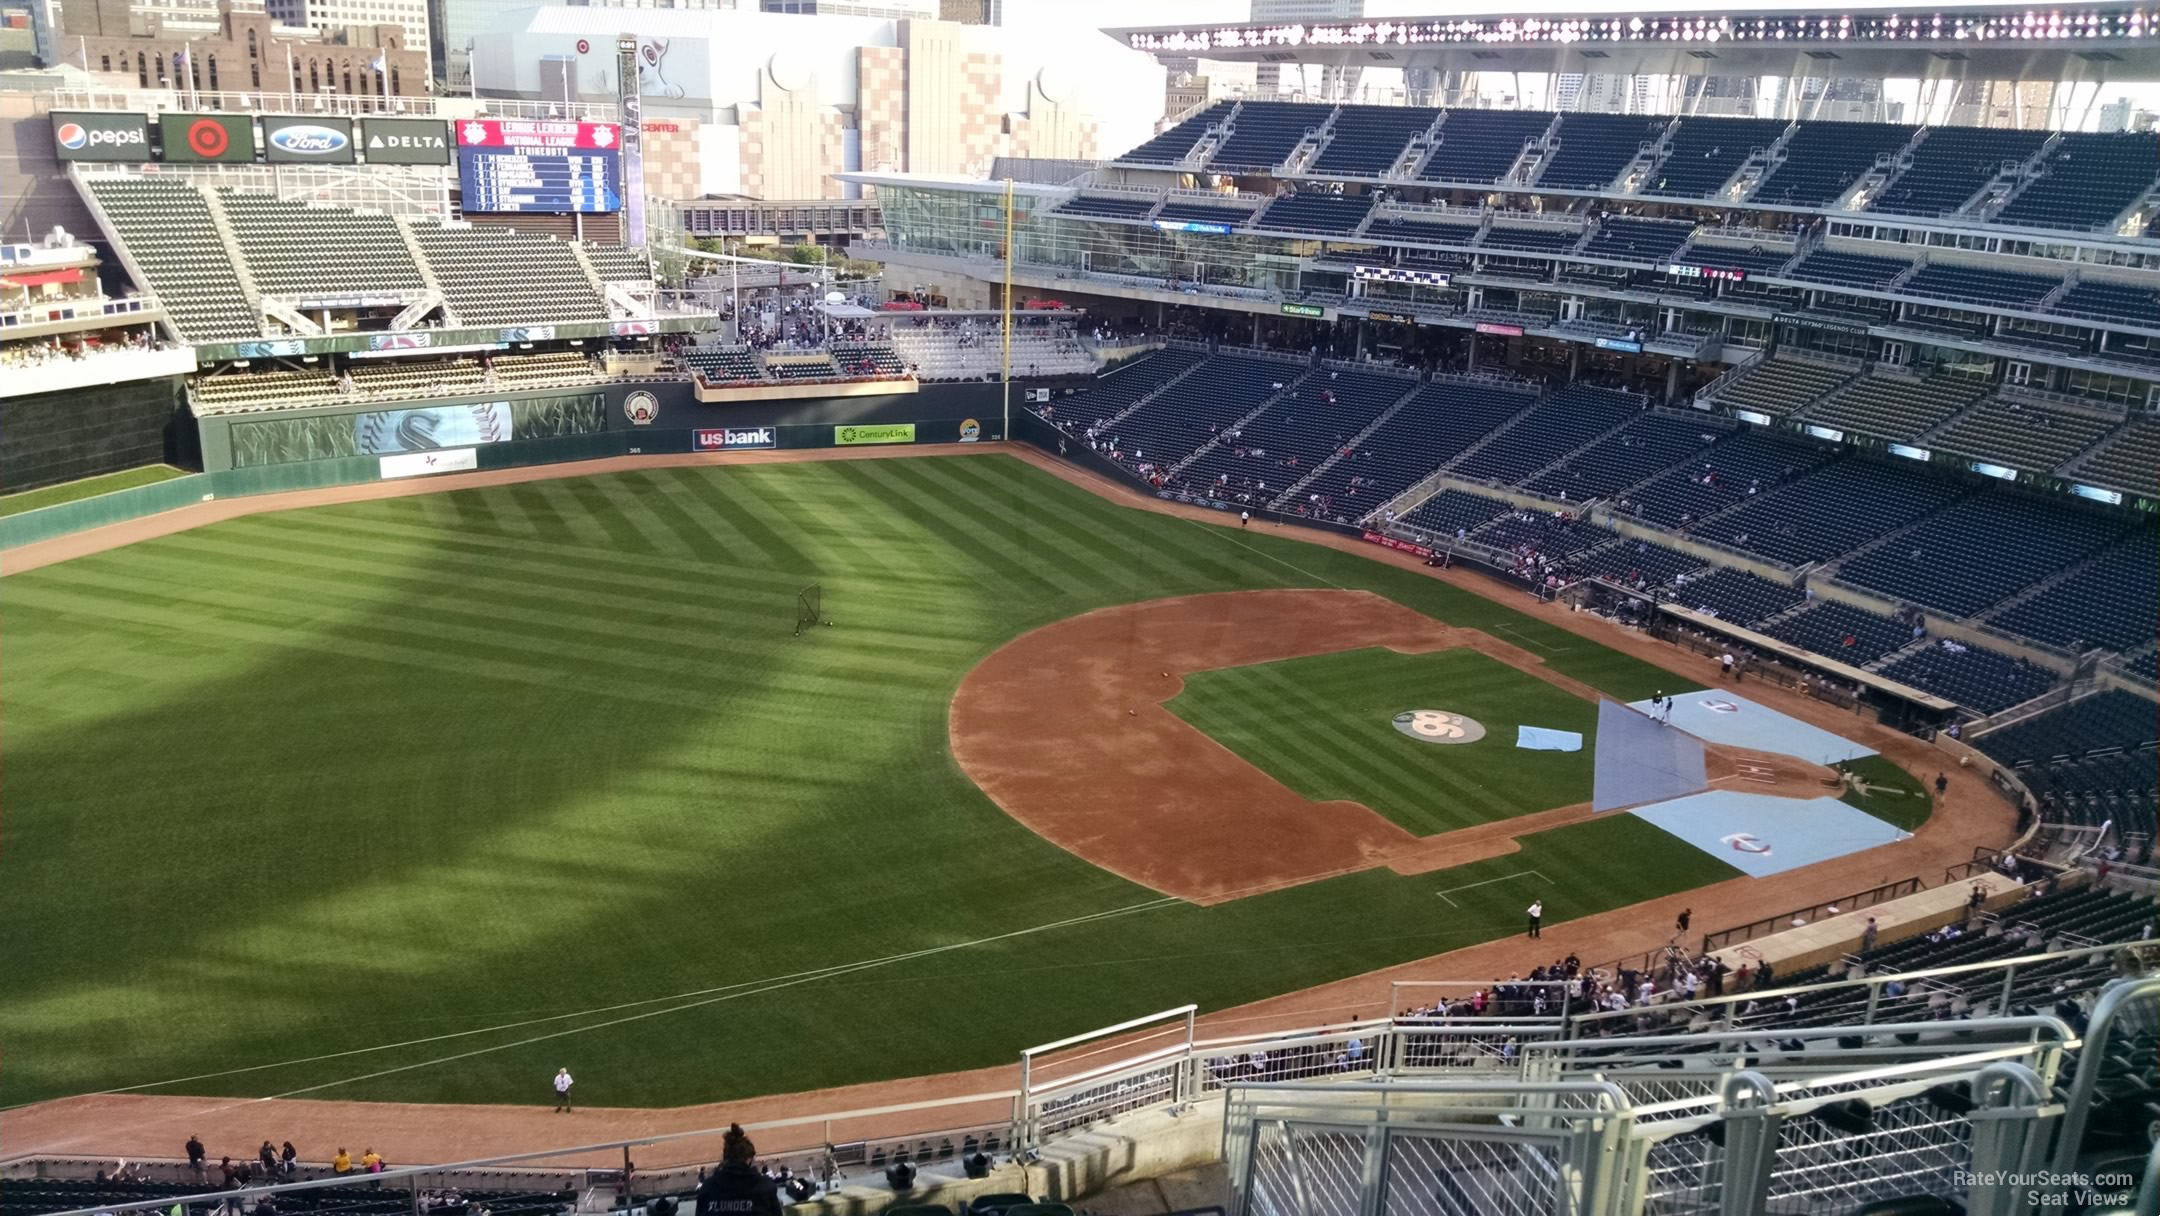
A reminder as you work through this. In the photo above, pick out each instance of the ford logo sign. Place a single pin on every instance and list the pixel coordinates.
(308, 140)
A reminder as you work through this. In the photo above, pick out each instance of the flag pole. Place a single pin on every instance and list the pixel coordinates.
(1005, 431)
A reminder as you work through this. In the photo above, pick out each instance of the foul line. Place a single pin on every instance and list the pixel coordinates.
(1487, 882)
(1527, 640)
(1226, 534)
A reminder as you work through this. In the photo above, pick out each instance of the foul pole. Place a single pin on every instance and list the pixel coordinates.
(1005, 428)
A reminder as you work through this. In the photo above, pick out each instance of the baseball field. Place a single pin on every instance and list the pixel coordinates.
(425, 797)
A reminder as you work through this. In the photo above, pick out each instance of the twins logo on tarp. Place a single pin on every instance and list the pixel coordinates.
(641, 408)
(1718, 706)
(1745, 842)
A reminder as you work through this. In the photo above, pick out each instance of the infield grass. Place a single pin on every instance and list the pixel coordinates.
(88, 487)
(423, 798)
(1323, 725)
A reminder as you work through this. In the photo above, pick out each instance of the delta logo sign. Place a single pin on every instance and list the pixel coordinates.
(309, 141)
(75, 137)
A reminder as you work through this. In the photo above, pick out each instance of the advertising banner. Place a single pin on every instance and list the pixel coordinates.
(81, 135)
(1304, 310)
(432, 427)
(289, 140)
(419, 464)
(729, 439)
(225, 139)
(1495, 327)
(416, 340)
(405, 141)
(1388, 542)
(888, 432)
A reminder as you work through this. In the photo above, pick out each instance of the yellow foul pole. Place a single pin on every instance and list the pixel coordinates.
(1005, 431)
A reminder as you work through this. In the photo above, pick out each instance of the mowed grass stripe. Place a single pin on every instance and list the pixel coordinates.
(956, 521)
(742, 514)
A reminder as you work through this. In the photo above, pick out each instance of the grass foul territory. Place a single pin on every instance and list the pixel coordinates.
(424, 798)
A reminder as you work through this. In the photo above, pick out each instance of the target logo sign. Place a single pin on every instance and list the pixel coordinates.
(207, 138)
(584, 47)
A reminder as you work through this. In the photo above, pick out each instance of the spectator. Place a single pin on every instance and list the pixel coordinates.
(196, 1156)
(342, 1163)
(737, 1186)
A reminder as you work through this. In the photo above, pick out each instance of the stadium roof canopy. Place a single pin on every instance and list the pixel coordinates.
(2106, 41)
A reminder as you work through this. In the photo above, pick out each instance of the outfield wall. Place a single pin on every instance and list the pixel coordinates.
(48, 438)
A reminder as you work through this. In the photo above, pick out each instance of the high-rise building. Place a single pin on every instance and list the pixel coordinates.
(1336, 83)
(325, 17)
(972, 12)
(456, 23)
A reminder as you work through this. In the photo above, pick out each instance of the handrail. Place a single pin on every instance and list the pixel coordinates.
(1881, 893)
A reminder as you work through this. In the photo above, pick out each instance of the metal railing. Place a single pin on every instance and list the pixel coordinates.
(1849, 903)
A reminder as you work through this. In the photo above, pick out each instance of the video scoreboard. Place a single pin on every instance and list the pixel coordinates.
(518, 165)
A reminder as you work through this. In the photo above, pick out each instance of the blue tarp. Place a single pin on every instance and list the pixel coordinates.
(1540, 739)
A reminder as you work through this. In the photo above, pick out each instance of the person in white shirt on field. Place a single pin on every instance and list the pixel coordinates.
(562, 1090)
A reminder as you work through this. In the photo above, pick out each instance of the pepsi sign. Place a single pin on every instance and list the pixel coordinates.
(308, 141)
(79, 135)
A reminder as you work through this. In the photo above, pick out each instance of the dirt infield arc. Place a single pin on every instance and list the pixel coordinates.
(1066, 728)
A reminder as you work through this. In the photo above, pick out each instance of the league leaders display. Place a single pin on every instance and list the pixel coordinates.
(514, 165)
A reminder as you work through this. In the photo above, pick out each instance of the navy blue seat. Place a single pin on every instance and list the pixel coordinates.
(1848, 269)
(1830, 511)
(1706, 152)
(2089, 180)
(1979, 679)
(1531, 240)
(1971, 285)
(1366, 141)
(1337, 214)
(1951, 164)
(1592, 149)
(1713, 480)
(1431, 428)
(1572, 417)
(2023, 539)
(1263, 133)
(1625, 238)
(1481, 145)
(2111, 603)
(1645, 446)
(1850, 635)
(1824, 159)
(1736, 595)
(1114, 207)
(1176, 143)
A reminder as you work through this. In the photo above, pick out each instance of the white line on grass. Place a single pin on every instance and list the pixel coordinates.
(1444, 893)
(1228, 535)
(1527, 640)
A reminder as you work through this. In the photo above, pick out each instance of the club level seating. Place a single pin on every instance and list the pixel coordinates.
(1779, 386)
(1706, 152)
(2023, 540)
(1332, 213)
(1848, 269)
(868, 360)
(1528, 270)
(1624, 238)
(1895, 407)
(1368, 140)
(2111, 603)
(1736, 595)
(2006, 431)
(1824, 159)
(1109, 207)
(167, 229)
(1481, 145)
(2089, 180)
(1202, 213)
(723, 364)
(1644, 446)
(1970, 285)
(1127, 383)
(2106, 300)
(1433, 427)
(268, 390)
(2109, 720)
(1737, 469)
(1566, 421)
(492, 276)
(1262, 135)
(1755, 260)
(1177, 420)
(1531, 240)
(1176, 144)
(1850, 635)
(1637, 563)
(294, 248)
(1434, 232)
(1830, 511)
(619, 264)
(1450, 511)
(1592, 149)
(1950, 165)
(2130, 461)
(1979, 679)
(1315, 419)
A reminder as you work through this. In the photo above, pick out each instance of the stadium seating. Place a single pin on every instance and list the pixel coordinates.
(168, 231)
(1433, 427)
(1591, 149)
(1823, 160)
(1733, 471)
(2009, 432)
(818, 366)
(1895, 407)
(268, 390)
(619, 264)
(1368, 140)
(2112, 603)
(1449, 510)
(1400, 228)
(1110, 207)
(868, 359)
(1779, 386)
(723, 364)
(2110, 720)
(1571, 418)
(1311, 422)
(1737, 596)
(1624, 238)
(1336, 214)
(1636, 563)
(1850, 635)
(1559, 535)
(1480, 146)
(1753, 259)
(1848, 269)
(1531, 240)
(1830, 511)
(2089, 180)
(1262, 135)
(2097, 790)
(2130, 461)
(1203, 213)
(1950, 165)
(1647, 445)
(1971, 285)
(2145, 666)
(1706, 152)
(1979, 679)
(1181, 417)
(491, 276)
(1176, 144)
(1982, 551)
(293, 248)
(2107, 300)
(1111, 394)
(972, 352)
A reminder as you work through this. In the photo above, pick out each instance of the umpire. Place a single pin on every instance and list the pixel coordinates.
(737, 1186)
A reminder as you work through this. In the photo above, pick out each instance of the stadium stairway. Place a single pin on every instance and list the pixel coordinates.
(1410, 390)
(1288, 391)
(1158, 390)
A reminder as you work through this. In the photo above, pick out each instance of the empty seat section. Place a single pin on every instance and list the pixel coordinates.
(2088, 180)
(293, 248)
(167, 229)
(1637, 563)
(1593, 148)
(619, 264)
(1895, 407)
(492, 276)
(1950, 165)
(1971, 285)
(1531, 240)
(2007, 432)
(1444, 513)
(2113, 719)
(1480, 146)
(1635, 240)
(1706, 152)
(2111, 603)
(1982, 551)
(1107, 206)
(1848, 269)
(1129, 382)
(1830, 511)
(1823, 160)
(1433, 427)
(1737, 596)
(281, 389)
(1569, 419)
(872, 359)
(1434, 232)
(1336, 214)
(1368, 140)
(1647, 445)
(1311, 421)
(1176, 143)
(2105, 300)
(1170, 426)
(1263, 133)
(2130, 461)
(1779, 386)
(1203, 213)
(1843, 632)
(1979, 679)
(1739, 468)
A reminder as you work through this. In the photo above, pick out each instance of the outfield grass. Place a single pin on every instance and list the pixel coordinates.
(88, 487)
(1323, 725)
(1896, 797)
(444, 792)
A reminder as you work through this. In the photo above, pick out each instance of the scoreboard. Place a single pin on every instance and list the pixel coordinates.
(518, 165)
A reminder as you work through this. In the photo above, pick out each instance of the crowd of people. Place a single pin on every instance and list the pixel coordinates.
(80, 348)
